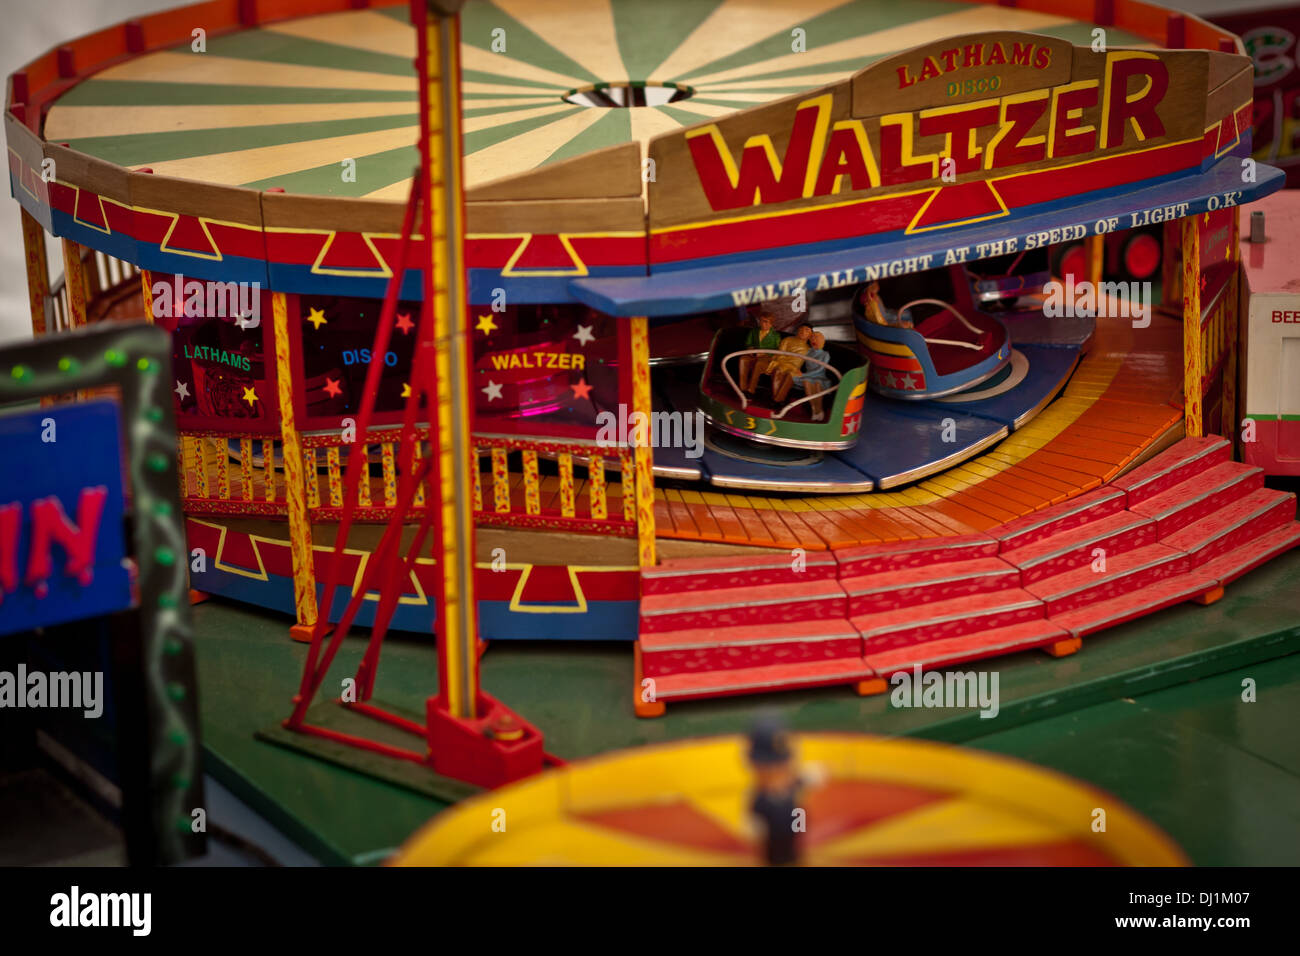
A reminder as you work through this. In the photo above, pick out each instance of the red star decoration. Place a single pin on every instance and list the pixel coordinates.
(404, 323)
(582, 390)
(332, 388)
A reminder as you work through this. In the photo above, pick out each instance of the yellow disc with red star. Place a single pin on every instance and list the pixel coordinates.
(865, 801)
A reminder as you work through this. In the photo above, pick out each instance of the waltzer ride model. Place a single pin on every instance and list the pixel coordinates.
(824, 227)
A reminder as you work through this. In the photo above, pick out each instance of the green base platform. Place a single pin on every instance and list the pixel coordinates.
(403, 773)
(1151, 711)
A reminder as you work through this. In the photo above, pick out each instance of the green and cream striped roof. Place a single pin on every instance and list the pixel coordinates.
(284, 104)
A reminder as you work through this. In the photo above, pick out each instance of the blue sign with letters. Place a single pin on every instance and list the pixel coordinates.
(62, 545)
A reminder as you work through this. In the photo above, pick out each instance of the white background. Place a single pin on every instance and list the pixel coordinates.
(27, 29)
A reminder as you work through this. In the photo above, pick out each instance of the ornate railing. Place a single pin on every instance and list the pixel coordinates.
(525, 498)
(509, 487)
(216, 479)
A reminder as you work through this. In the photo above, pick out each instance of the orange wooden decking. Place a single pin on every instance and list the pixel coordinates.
(1124, 398)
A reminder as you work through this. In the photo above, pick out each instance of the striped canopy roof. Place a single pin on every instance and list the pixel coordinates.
(283, 105)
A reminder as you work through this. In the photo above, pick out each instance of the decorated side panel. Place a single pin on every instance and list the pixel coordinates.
(222, 357)
(544, 370)
(334, 336)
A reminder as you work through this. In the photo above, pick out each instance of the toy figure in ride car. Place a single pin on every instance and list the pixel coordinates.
(777, 788)
(785, 367)
(752, 366)
(815, 378)
(876, 311)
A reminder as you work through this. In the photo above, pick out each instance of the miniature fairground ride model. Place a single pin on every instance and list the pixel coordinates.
(97, 674)
(868, 802)
(631, 178)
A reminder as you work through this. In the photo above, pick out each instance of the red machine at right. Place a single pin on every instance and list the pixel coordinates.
(1270, 306)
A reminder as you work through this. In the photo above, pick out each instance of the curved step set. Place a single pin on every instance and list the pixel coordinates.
(1180, 527)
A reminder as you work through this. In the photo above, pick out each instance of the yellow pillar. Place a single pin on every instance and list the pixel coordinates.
(304, 569)
(1232, 308)
(38, 271)
(146, 289)
(1171, 269)
(74, 280)
(644, 462)
(453, 443)
(1193, 353)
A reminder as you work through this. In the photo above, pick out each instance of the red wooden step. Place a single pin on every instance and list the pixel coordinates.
(1125, 572)
(967, 647)
(878, 558)
(941, 620)
(753, 680)
(908, 587)
(1175, 508)
(1234, 525)
(1068, 550)
(724, 607)
(1233, 564)
(750, 645)
(1173, 466)
(1077, 511)
(1133, 604)
(733, 571)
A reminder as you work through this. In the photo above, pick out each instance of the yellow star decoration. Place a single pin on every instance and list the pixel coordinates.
(486, 325)
(406, 390)
(250, 395)
(317, 318)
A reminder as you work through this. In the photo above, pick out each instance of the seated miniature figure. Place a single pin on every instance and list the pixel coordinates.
(785, 367)
(816, 377)
(927, 348)
(875, 310)
(753, 366)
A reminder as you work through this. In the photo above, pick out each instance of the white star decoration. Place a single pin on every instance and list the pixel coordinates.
(182, 390)
(492, 390)
(909, 382)
(583, 335)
